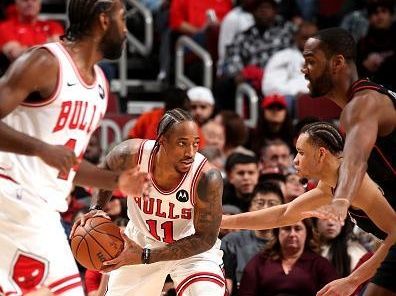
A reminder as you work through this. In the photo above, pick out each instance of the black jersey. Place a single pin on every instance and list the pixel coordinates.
(381, 163)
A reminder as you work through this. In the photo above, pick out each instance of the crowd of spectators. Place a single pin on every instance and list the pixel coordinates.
(258, 42)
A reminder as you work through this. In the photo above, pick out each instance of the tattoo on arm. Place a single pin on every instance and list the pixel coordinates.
(119, 159)
(207, 218)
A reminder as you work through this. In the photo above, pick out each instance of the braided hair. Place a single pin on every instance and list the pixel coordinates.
(82, 14)
(325, 134)
(170, 119)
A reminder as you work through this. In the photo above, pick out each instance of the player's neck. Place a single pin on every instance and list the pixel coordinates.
(84, 52)
(330, 174)
(341, 90)
(164, 172)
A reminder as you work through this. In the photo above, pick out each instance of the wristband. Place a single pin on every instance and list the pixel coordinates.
(146, 256)
(96, 207)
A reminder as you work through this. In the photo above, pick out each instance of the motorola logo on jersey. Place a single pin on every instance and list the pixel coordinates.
(182, 195)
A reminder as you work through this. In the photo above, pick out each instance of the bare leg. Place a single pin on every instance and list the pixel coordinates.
(375, 290)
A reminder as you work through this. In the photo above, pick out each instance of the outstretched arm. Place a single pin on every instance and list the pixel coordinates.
(281, 215)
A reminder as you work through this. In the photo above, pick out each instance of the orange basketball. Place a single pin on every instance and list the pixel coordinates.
(97, 241)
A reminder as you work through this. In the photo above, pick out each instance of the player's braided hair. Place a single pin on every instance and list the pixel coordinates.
(325, 134)
(170, 118)
(82, 14)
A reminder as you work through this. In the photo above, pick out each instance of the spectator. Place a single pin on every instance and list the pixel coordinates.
(214, 135)
(274, 122)
(201, 104)
(239, 247)
(26, 30)
(290, 265)
(236, 21)
(275, 157)
(242, 174)
(283, 70)
(294, 187)
(337, 245)
(228, 210)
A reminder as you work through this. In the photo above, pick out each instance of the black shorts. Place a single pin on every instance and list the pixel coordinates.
(385, 276)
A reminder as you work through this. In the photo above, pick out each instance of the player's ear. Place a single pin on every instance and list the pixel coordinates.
(338, 62)
(104, 21)
(322, 153)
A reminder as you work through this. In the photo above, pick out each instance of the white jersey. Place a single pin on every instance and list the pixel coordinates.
(68, 118)
(165, 216)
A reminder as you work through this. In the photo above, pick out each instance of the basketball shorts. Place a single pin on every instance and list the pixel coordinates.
(198, 275)
(385, 276)
(34, 250)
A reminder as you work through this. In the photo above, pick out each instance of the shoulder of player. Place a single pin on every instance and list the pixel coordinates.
(210, 175)
(124, 155)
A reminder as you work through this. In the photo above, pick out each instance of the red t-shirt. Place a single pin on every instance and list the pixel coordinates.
(28, 34)
(194, 11)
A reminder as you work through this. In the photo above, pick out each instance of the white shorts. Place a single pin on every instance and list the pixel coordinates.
(198, 275)
(34, 250)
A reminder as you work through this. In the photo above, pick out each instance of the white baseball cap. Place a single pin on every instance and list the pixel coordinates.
(200, 94)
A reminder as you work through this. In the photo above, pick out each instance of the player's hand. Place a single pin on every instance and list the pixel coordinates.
(340, 287)
(81, 221)
(59, 157)
(337, 210)
(130, 255)
(134, 182)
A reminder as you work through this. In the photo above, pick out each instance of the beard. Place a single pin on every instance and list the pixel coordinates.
(112, 44)
(322, 85)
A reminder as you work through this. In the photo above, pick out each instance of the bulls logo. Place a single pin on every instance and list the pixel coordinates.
(182, 195)
(29, 271)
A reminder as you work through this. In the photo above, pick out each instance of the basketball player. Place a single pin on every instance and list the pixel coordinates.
(174, 229)
(368, 120)
(319, 155)
(51, 100)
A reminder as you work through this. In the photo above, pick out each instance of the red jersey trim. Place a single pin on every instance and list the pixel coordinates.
(8, 178)
(55, 93)
(140, 152)
(202, 276)
(388, 163)
(64, 280)
(195, 181)
(86, 85)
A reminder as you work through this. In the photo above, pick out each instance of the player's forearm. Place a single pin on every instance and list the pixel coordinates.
(184, 248)
(257, 220)
(93, 176)
(351, 174)
(17, 142)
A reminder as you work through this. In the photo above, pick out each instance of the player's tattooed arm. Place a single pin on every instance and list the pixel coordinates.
(207, 218)
(122, 157)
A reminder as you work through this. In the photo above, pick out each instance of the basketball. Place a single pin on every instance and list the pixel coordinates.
(97, 241)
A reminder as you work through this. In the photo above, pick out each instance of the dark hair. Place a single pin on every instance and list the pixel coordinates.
(338, 251)
(234, 128)
(325, 134)
(273, 248)
(169, 119)
(266, 188)
(239, 158)
(336, 41)
(175, 97)
(373, 5)
(82, 14)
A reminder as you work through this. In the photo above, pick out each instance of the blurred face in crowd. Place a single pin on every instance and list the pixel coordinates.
(292, 238)
(264, 14)
(381, 18)
(328, 229)
(264, 200)
(277, 157)
(305, 31)
(244, 177)
(28, 9)
(275, 114)
(294, 187)
(214, 135)
(201, 111)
